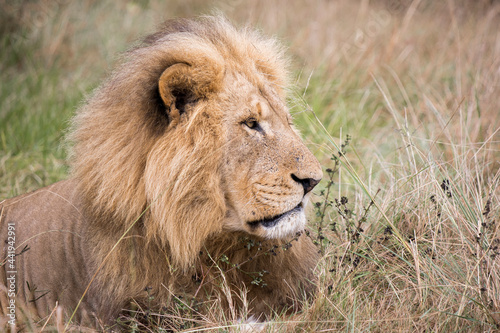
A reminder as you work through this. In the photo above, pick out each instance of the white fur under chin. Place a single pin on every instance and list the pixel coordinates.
(288, 225)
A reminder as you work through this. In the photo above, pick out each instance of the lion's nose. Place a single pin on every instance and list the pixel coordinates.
(307, 183)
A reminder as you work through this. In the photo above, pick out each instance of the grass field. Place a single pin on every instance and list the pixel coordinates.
(400, 102)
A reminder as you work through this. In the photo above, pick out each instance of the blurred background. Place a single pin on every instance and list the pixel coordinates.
(398, 99)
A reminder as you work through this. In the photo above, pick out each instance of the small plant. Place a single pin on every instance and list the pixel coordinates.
(325, 202)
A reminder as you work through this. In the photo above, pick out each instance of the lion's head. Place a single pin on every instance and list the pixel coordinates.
(191, 137)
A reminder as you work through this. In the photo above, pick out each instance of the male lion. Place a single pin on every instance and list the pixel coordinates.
(186, 171)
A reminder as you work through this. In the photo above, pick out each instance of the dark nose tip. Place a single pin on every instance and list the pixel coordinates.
(307, 183)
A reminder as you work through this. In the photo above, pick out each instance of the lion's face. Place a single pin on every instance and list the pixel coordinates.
(268, 171)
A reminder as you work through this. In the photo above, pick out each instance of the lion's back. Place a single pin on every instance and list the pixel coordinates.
(44, 250)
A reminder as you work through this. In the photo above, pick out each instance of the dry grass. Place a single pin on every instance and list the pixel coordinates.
(416, 84)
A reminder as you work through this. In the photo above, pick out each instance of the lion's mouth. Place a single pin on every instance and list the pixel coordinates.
(273, 221)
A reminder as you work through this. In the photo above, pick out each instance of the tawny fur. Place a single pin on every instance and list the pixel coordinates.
(155, 167)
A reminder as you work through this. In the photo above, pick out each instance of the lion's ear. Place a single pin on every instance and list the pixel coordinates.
(189, 80)
(175, 91)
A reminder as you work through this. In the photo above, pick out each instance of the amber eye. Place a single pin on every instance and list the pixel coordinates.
(251, 123)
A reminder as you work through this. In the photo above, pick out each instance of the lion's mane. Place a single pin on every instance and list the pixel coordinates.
(127, 157)
(133, 166)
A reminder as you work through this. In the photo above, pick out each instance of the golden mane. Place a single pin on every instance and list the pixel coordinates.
(115, 132)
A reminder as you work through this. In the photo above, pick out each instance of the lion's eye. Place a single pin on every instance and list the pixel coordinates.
(251, 123)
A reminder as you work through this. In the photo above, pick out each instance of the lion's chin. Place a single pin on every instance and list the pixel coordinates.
(281, 226)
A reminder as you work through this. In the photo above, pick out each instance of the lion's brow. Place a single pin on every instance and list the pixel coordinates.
(270, 98)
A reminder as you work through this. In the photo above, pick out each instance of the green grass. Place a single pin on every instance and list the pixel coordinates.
(415, 243)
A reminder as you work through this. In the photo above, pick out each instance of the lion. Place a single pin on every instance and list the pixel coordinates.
(185, 169)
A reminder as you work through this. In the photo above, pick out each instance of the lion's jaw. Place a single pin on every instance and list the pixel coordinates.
(283, 225)
(268, 171)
